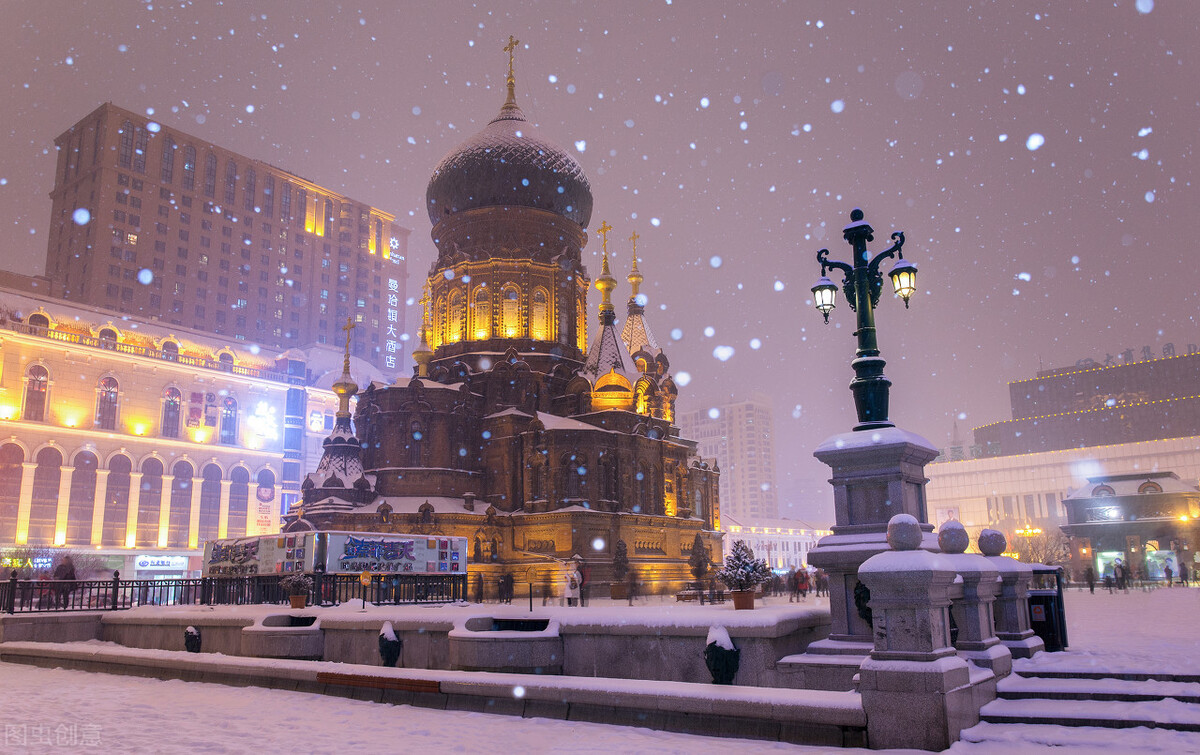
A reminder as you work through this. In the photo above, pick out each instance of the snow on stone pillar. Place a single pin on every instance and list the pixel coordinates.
(915, 690)
(65, 474)
(977, 641)
(25, 501)
(1012, 604)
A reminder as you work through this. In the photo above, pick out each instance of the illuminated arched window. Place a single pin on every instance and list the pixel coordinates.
(210, 503)
(107, 402)
(149, 499)
(481, 313)
(11, 472)
(1150, 487)
(456, 319)
(229, 421)
(39, 320)
(172, 403)
(510, 313)
(108, 338)
(180, 504)
(539, 316)
(1102, 490)
(239, 502)
(116, 500)
(125, 148)
(189, 167)
(43, 512)
(36, 383)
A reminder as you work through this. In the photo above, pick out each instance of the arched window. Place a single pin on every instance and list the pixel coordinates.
(574, 474)
(1149, 487)
(170, 350)
(539, 316)
(139, 150)
(230, 182)
(107, 403)
(229, 421)
(416, 444)
(239, 501)
(210, 175)
(189, 167)
(510, 312)
(481, 313)
(44, 511)
(226, 360)
(108, 338)
(37, 381)
(168, 160)
(39, 320)
(11, 472)
(116, 501)
(248, 195)
(456, 317)
(180, 515)
(172, 403)
(266, 486)
(83, 499)
(210, 503)
(149, 503)
(125, 147)
(1102, 490)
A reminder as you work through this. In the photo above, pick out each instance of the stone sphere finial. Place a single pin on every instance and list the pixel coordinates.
(856, 215)
(952, 537)
(904, 532)
(992, 543)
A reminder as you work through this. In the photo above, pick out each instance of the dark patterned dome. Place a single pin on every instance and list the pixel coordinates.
(508, 164)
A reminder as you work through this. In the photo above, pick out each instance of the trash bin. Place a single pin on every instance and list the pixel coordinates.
(1046, 615)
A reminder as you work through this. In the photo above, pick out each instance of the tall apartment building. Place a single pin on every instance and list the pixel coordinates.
(741, 436)
(153, 222)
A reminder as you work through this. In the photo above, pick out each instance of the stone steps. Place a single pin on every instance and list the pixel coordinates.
(1104, 689)
(1007, 739)
(1159, 713)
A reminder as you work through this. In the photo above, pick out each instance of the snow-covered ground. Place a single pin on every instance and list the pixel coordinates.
(52, 710)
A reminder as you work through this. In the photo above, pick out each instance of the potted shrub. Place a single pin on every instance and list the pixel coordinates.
(619, 590)
(742, 573)
(297, 587)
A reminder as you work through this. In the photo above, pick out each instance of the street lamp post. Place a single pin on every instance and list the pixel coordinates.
(862, 284)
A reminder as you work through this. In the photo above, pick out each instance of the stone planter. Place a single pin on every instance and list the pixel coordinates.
(743, 600)
(298, 601)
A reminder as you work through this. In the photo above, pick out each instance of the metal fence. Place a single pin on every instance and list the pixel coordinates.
(26, 596)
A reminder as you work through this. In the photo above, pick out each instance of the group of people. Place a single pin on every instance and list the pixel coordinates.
(56, 593)
(1122, 577)
(801, 581)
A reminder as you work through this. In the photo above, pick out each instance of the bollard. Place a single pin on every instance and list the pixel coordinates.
(191, 640)
(389, 645)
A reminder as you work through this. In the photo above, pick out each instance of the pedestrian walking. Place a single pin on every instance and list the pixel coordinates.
(1089, 576)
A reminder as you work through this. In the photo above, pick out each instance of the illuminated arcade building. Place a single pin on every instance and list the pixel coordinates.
(138, 441)
(515, 432)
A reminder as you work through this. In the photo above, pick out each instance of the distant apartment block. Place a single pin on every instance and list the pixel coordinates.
(154, 222)
(741, 436)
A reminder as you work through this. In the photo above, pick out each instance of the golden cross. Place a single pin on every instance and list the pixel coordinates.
(633, 239)
(349, 326)
(603, 231)
(508, 48)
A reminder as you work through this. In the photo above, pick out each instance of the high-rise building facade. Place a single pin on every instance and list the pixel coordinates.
(740, 435)
(153, 222)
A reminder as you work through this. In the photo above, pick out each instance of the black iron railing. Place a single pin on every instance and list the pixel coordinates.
(25, 596)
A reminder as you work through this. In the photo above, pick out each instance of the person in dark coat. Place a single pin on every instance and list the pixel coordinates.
(1089, 576)
(65, 576)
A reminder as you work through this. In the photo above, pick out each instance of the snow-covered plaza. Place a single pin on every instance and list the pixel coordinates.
(52, 710)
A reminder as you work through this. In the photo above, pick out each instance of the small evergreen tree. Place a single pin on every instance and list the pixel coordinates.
(620, 562)
(700, 560)
(742, 571)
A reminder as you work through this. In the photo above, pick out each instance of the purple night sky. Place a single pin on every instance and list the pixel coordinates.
(1039, 157)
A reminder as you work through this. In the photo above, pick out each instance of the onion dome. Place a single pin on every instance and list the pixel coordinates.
(507, 163)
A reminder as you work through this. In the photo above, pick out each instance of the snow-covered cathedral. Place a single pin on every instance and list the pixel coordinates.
(515, 431)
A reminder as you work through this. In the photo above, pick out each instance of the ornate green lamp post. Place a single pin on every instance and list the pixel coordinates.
(862, 284)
